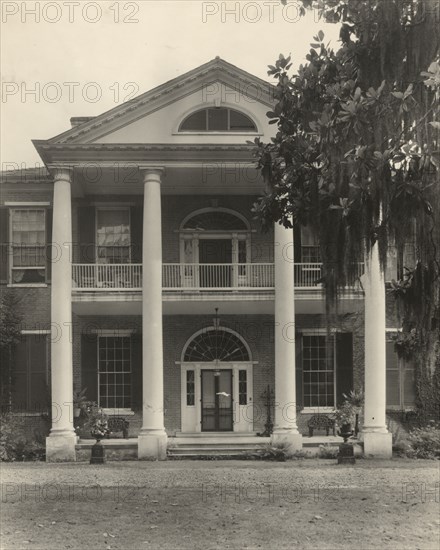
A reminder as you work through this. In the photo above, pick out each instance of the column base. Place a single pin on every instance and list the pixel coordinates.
(378, 444)
(293, 441)
(152, 446)
(61, 448)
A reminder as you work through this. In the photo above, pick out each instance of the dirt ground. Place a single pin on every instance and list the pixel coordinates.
(221, 504)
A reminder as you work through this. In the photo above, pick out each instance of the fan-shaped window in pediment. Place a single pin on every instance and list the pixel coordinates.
(216, 345)
(217, 119)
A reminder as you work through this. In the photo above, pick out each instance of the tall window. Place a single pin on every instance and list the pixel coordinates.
(28, 230)
(217, 119)
(309, 246)
(114, 370)
(400, 382)
(113, 235)
(318, 371)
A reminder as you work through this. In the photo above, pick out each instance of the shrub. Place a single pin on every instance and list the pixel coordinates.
(14, 445)
(327, 451)
(424, 442)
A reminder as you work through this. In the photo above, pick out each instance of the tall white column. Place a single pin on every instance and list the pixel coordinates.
(60, 445)
(377, 439)
(152, 441)
(285, 426)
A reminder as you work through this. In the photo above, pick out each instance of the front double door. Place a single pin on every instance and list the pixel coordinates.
(217, 400)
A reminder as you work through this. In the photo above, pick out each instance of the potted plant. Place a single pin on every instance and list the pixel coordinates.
(79, 400)
(97, 421)
(356, 400)
(345, 416)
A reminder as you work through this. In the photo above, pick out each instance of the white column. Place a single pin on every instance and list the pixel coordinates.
(377, 439)
(285, 427)
(60, 445)
(152, 441)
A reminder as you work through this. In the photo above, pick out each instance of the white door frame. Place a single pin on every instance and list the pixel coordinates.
(191, 419)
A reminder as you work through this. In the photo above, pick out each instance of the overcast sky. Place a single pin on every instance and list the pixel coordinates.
(82, 58)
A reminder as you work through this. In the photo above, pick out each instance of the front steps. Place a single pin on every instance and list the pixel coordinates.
(203, 446)
(214, 445)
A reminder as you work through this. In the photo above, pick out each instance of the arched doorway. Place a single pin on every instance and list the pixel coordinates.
(215, 245)
(216, 384)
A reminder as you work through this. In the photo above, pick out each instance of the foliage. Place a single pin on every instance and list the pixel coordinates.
(273, 451)
(10, 334)
(424, 442)
(79, 398)
(345, 414)
(14, 445)
(327, 451)
(356, 153)
(97, 420)
(356, 399)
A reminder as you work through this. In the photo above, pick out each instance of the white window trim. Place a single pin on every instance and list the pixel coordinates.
(401, 368)
(320, 332)
(111, 333)
(11, 268)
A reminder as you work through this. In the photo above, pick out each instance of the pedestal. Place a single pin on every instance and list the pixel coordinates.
(293, 441)
(61, 448)
(152, 446)
(346, 454)
(378, 445)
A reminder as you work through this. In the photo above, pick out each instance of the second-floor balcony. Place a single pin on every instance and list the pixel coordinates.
(178, 277)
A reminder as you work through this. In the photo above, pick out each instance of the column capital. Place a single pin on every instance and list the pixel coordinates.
(151, 173)
(61, 173)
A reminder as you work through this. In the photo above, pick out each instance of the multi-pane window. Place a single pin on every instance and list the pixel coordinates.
(114, 371)
(190, 388)
(242, 387)
(113, 235)
(400, 381)
(318, 371)
(217, 119)
(28, 230)
(309, 246)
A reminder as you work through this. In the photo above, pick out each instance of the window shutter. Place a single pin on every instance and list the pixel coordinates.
(38, 388)
(136, 371)
(136, 215)
(20, 376)
(299, 371)
(409, 385)
(4, 249)
(87, 234)
(49, 219)
(344, 365)
(393, 377)
(89, 365)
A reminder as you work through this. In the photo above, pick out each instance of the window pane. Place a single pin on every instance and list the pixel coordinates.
(238, 122)
(28, 245)
(190, 388)
(114, 372)
(217, 120)
(196, 121)
(242, 387)
(113, 236)
(318, 371)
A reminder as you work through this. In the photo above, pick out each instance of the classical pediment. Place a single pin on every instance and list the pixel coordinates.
(154, 117)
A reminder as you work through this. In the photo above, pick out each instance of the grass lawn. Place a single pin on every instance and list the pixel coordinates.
(221, 504)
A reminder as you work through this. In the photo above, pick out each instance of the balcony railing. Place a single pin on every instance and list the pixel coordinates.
(193, 277)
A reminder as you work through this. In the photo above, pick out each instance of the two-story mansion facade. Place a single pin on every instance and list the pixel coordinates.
(141, 275)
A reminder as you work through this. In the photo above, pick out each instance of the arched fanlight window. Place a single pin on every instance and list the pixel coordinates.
(215, 220)
(217, 119)
(216, 345)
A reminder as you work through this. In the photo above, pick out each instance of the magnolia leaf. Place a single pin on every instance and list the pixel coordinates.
(435, 124)
(399, 95)
(321, 35)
